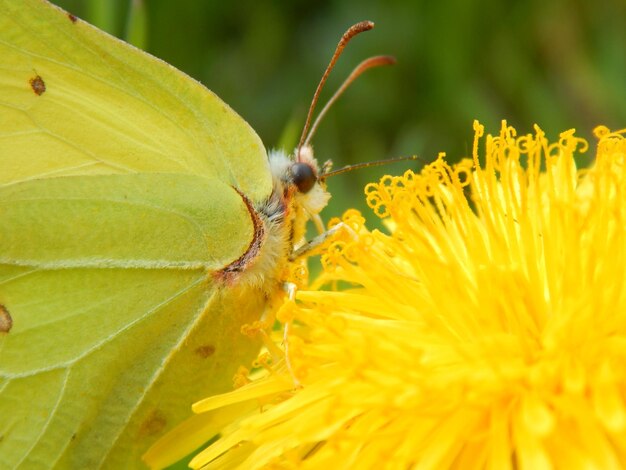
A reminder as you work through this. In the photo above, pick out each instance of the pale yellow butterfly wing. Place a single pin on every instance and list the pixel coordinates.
(117, 206)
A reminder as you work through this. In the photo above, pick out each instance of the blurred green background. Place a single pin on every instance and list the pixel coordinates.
(560, 64)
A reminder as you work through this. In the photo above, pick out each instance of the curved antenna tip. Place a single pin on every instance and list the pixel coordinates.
(352, 31)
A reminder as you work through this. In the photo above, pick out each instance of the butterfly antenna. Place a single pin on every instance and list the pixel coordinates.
(347, 36)
(358, 166)
(376, 61)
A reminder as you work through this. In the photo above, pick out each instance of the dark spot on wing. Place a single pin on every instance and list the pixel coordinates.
(38, 85)
(73, 437)
(205, 351)
(72, 18)
(6, 322)
(154, 424)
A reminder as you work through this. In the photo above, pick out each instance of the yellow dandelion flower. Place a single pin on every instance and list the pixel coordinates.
(487, 330)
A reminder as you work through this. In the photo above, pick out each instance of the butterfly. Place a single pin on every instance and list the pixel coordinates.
(142, 223)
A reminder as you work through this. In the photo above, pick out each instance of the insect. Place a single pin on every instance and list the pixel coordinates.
(141, 225)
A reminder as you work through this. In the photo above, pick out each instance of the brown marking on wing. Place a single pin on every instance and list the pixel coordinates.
(154, 423)
(230, 273)
(38, 85)
(72, 18)
(205, 351)
(6, 322)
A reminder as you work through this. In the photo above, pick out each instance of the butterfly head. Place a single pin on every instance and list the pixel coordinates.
(299, 179)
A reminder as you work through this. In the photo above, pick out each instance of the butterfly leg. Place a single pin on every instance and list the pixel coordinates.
(291, 289)
(309, 247)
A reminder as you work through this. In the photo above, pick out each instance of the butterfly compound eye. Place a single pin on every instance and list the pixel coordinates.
(303, 176)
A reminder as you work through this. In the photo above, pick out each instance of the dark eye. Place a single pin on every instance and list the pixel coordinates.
(303, 177)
